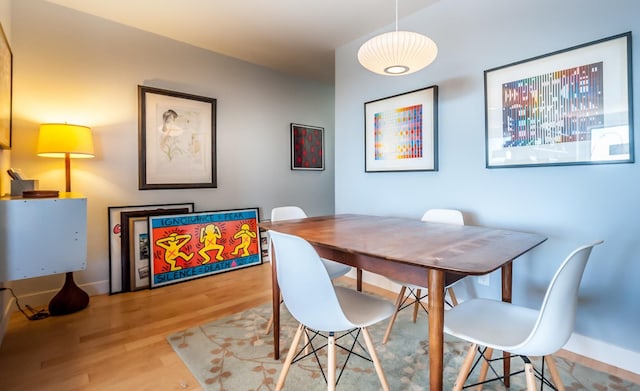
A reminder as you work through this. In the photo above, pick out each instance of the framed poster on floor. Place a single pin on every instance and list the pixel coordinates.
(188, 246)
(116, 276)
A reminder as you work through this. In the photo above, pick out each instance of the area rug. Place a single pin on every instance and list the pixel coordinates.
(234, 354)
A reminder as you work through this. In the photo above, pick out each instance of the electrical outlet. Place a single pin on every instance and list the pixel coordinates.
(485, 280)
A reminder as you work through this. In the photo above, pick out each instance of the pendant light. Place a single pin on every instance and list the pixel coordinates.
(398, 52)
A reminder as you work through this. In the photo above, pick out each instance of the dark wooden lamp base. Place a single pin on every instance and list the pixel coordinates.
(70, 299)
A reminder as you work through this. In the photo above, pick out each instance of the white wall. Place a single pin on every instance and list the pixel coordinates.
(572, 205)
(81, 69)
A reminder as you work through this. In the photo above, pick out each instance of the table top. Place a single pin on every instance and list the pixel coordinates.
(464, 249)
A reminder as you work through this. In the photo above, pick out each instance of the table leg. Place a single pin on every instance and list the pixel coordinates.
(436, 327)
(275, 288)
(507, 278)
(359, 279)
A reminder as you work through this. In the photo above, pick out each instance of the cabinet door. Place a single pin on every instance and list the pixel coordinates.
(39, 237)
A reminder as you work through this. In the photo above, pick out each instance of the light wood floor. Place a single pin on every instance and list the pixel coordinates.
(118, 342)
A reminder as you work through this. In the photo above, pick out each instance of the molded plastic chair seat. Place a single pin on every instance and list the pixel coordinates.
(518, 330)
(487, 331)
(335, 269)
(312, 299)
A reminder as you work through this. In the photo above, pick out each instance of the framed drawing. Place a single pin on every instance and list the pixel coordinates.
(139, 253)
(177, 140)
(307, 147)
(115, 243)
(401, 132)
(127, 244)
(567, 107)
(188, 246)
(6, 77)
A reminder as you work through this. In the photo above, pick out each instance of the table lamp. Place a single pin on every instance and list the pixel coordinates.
(66, 141)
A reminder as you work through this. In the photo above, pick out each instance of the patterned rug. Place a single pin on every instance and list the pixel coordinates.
(234, 354)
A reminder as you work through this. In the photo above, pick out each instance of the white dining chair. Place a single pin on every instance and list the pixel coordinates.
(417, 294)
(334, 269)
(521, 331)
(319, 306)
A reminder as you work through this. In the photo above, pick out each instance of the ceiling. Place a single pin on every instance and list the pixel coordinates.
(296, 37)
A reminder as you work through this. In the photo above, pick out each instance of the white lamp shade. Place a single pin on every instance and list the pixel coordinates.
(397, 53)
(56, 140)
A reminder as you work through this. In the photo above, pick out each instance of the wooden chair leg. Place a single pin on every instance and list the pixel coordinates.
(269, 324)
(289, 359)
(416, 305)
(466, 366)
(484, 368)
(530, 376)
(395, 314)
(331, 362)
(555, 375)
(374, 358)
(452, 295)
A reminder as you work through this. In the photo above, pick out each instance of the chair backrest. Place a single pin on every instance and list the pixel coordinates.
(287, 213)
(305, 285)
(447, 216)
(557, 316)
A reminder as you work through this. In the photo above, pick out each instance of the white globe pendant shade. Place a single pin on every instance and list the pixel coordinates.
(397, 53)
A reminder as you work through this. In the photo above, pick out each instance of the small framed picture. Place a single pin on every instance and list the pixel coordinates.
(307, 147)
(401, 132)
(563, 108)
(139, 253)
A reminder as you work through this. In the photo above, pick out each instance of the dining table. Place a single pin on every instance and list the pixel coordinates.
(428, 254)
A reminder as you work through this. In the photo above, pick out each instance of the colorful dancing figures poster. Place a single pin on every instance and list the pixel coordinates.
(188, 246)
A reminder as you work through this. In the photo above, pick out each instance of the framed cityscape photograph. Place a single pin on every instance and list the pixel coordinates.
(563, 108)
(401, 132)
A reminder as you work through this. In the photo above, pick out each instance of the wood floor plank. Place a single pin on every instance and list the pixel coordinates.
(119, 341)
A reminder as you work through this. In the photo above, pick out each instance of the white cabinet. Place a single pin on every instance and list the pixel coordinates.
(42, 236)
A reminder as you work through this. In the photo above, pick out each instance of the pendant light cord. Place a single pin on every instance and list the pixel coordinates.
(396, 16)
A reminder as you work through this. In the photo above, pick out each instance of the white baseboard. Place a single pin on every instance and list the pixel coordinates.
(585, 346)
(42, 298)
(604, 352)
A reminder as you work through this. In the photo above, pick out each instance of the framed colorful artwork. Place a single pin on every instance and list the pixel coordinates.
(128, 245)
(115, 241)
(6, 77)
(177, 140)
(307, 147)
(563, 108)
(188, 246)
(401, 132)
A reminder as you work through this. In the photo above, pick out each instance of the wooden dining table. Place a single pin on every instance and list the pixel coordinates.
(421, 253)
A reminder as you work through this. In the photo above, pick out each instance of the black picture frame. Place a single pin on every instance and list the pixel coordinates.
(401, 132)
(568, 107)
(125, 237)
(115, 241)
(307, 147)
(176, 140)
